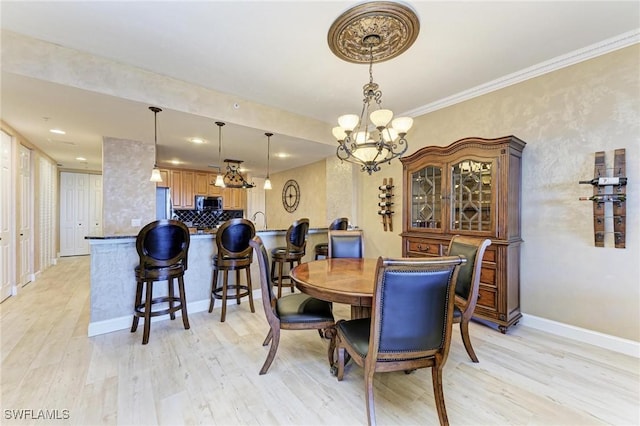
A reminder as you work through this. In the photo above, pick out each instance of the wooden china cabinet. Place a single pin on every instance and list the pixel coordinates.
(471, 187)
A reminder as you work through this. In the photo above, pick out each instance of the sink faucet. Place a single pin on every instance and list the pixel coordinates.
(255, 215)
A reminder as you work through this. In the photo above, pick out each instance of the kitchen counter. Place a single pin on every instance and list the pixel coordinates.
(113, 284)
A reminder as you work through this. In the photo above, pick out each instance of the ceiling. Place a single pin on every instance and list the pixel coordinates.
(275, 53)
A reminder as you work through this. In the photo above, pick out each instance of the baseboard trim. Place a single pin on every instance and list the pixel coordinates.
(124, 323)
(606, 341)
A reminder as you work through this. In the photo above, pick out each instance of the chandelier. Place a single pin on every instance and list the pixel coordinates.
(368, 33)
(233, 178)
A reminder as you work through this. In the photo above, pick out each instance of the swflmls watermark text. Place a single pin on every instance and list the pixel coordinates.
(31, 414)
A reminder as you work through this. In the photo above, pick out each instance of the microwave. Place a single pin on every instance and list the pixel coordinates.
(208, 203)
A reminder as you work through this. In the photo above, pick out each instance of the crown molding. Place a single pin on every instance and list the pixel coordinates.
(589, 52)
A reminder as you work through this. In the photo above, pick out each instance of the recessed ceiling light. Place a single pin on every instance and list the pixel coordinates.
(197, 140)
(81, 159)
(58, 131)
(175, 162)
(281, 155)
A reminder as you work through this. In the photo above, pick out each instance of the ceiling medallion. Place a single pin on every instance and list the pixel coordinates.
(391, 28)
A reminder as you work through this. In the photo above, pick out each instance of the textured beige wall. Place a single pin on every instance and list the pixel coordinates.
(564, 116)
(313, 199)
(127, 192)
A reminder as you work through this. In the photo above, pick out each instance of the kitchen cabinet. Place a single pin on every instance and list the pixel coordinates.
(164, 174)
(203, 184)
(182, 191)
(234, 198)
(471, 187)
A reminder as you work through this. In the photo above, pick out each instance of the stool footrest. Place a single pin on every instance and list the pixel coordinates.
(139, 310)
(238, 291)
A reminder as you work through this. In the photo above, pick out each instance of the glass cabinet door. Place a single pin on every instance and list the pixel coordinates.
(471, 196)
(426, 198)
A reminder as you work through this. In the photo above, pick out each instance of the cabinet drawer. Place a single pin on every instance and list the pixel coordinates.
(424, 248)
(489, 255)
(487, 298)
(488, 276)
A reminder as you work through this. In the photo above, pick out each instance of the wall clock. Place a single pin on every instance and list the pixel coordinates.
(290, 195)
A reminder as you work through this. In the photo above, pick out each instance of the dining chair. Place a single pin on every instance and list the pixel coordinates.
(296, 311)
(322, 249)
(410, 324)
(162, 246)
(346, 244)
(234, 254)
(294, 251)
(468, 284)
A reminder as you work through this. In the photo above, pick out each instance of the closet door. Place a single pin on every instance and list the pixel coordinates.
(7, 252)
(74, 213)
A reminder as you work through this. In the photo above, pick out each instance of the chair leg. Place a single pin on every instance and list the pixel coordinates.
(341, 362)
(436, 376)
(291, 279)
(147, 313)
(172, 315)
(134, 324)
(214, 284)
(225, 283)
(183, 303)
(466, 339)
(237, 286)
(272, 350)
(268, 338)
(368, 387)
(250, 290)
(280, 266)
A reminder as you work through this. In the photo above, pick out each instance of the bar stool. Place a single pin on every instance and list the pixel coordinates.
(162, 246)
(322, 249)
(294, 252)
(234, 254)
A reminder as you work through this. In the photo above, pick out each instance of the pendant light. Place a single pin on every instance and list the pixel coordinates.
(220, 178)
(267, 181)
(155, 173)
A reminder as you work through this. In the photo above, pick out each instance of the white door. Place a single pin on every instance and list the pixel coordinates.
(74, 213)
(7, 253)
(26, 273)
(95, 205)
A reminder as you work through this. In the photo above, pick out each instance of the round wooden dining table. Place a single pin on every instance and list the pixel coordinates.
(343, 280)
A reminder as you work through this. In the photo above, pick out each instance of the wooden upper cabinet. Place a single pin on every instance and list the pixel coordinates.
(201, 183)
(186, 184)
(164, 174)
(188, 195)
(234, 198)
(175, 178)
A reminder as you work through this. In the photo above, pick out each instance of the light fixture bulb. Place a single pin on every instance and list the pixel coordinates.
(219, 181)
(348, 122)
(402, 124)
(267, 183)
(381, 117)
(339, 133)
(155, 175)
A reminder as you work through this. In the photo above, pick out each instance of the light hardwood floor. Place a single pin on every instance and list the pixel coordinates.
(209, 374)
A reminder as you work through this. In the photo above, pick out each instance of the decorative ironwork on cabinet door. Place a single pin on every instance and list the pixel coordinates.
(426, 201)
(471, 196)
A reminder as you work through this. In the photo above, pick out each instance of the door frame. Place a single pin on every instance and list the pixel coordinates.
(10, 215)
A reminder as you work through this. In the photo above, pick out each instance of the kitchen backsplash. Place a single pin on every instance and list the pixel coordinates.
(206, 219)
